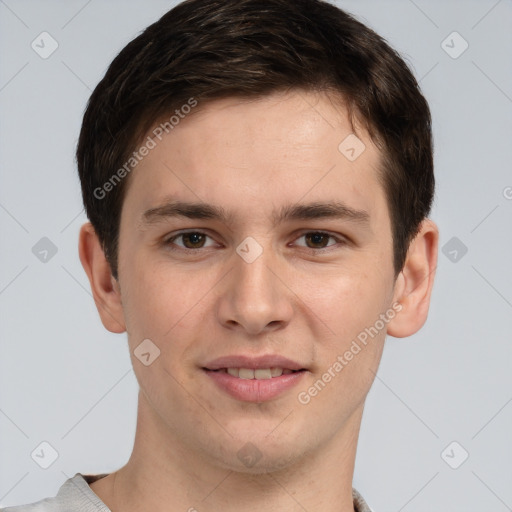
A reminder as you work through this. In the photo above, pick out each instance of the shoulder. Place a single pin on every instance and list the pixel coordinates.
(46, 505)
(360, 504)
(75, 495)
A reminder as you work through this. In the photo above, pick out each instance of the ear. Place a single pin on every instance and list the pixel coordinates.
(413, 285)
(105, 289)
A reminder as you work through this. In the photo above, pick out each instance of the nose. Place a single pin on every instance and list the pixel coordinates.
(255, 298)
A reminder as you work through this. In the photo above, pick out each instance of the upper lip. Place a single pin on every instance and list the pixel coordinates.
(264, 361)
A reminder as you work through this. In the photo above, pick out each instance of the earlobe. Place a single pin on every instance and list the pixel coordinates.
(105, 289)
(413, 286)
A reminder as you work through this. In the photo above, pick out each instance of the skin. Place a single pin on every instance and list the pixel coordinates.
(296, 299)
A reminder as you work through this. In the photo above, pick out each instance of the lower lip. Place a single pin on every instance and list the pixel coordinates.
(254, 390)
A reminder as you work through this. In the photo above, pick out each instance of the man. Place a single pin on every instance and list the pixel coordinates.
(258, 177)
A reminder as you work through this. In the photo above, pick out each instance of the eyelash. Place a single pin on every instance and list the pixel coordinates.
(169, 241)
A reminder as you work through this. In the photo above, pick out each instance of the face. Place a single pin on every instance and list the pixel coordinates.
(256, 256)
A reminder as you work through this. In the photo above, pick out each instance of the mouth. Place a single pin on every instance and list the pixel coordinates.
(255, 373)
(254, 379)
(254, 384)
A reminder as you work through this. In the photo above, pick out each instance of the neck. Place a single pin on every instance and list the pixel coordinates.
(163, 475)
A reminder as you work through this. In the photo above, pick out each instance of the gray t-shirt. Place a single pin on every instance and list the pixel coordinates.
(75, 495)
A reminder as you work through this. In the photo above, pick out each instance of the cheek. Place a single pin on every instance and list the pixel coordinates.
(346, 300)
(164, 304)
(352, 306)
(349, 356)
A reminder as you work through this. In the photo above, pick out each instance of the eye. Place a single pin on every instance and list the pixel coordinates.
(191, 240)
(194, 240)
(319, 240)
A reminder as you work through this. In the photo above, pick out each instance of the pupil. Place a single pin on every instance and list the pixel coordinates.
(194, 238)
(316, 238)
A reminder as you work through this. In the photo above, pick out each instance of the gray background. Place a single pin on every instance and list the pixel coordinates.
(67, 381)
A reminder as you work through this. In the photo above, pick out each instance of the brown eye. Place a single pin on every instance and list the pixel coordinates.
(189, 241)
(193, 240)
(318, 240)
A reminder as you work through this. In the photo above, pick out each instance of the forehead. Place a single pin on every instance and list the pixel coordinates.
(254, 156)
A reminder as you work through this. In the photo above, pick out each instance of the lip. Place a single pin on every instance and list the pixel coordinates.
(264, 361)
(254, 390)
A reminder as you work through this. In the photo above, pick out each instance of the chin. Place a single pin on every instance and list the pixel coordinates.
(258, 453)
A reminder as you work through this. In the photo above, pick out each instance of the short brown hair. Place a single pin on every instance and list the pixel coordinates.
(212, 49)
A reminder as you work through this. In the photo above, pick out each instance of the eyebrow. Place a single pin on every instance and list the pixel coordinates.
(199, 210)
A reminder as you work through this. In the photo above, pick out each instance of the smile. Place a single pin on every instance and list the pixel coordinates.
(254, 384)
(256, 373)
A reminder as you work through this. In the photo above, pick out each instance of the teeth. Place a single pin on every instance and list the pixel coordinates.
(259, 373)
(246, 373)
(262, 373)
